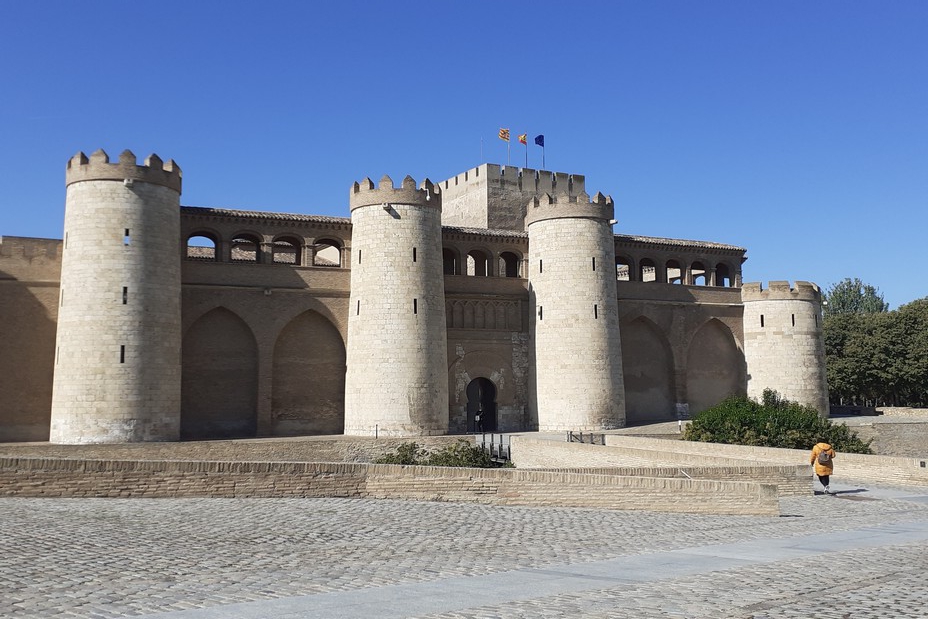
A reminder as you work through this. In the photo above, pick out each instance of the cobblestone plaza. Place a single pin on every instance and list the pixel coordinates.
(862, 553)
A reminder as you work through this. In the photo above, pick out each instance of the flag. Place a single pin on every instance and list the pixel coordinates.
(504, 134)
(540, 140)
(523, 139)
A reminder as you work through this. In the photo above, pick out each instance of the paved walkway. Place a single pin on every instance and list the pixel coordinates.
(862, 553)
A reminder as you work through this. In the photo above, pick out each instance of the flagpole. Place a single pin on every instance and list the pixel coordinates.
(526, 151)
(508, 151)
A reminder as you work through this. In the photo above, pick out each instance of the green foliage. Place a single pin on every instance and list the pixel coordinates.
(774, 422)
(406, 453)
(852, 296)
(462, 454)
(878, 358)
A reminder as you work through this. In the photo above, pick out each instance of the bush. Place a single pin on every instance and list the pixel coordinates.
(776, 422)
(463, 454)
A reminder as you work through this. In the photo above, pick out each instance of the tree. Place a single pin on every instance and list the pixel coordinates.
(852, 296)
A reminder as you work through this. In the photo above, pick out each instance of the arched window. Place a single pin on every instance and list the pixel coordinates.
(245, 248)
(509, 264)
(327, 253)
(201, 247)
(478, 263)
(647, 272)
(722, 275)
(449, 261)
(286, 250)
(699, 274)
(674, 272)
(623, 268)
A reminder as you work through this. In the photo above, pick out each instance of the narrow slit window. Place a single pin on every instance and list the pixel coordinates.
(816, 320)
(126, 238)
(794, 320)
(357, 311)
(596, 311)
(122, 353)
(359, 256)
(413, 254)
(541, 266)
(594, 263)
(761, 321)
(415, 306)
(125, 295)
(541, 312)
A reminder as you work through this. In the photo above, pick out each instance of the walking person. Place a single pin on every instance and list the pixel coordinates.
(822, 459)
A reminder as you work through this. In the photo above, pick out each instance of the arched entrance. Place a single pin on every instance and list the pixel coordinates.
(481, 396)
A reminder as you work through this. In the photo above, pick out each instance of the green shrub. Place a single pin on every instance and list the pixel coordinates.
(463, 454)
(776, 422)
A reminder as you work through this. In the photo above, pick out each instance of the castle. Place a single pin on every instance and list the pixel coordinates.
(497, 300)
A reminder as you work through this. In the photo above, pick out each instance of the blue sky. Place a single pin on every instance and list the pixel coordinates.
(796, 129)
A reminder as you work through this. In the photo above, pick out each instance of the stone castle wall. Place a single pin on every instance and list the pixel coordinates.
(783, 343)
(29, 274)
(396, 381)
(117, 362)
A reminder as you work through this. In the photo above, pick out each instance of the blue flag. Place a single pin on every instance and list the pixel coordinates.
(540, 140)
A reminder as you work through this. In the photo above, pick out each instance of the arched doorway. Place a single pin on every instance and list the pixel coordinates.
(481, 396)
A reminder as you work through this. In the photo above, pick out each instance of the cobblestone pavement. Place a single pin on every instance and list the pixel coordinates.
(863, 553)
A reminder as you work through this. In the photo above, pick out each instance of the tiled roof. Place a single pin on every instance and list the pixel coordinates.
(226, 212)
(656, 240)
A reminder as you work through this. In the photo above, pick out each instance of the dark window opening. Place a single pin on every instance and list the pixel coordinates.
(762, 320)
(541, 312)
(125, 237)
(413, 254)
(541, 267)
(415, 306)
(794, 320)
(122, 354)
(596, 312)
(594, 263)
(357, 312)
(125, 295)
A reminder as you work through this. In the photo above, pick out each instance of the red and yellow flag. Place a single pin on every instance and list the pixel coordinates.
(523, 139)
(504, 134)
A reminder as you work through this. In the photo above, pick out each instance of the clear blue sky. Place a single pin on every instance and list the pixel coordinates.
(796, 129)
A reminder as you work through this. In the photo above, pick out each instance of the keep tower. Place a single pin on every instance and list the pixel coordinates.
(783, 345)
(578, 383)
(118, 360)
(397, 375)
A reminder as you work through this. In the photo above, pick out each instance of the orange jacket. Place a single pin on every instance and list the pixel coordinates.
(822, 468)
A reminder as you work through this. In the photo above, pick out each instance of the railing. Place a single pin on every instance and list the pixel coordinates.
(589, 438)
(497, 445)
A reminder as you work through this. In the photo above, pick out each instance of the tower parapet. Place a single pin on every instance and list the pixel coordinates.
(783, 343)
(494, 196)
(569, 207)
(98, 168)
(364, 193)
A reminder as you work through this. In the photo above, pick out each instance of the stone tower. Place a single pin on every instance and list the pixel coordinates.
(574, 323)
(117, 359)
(397, 375)
(783, 345)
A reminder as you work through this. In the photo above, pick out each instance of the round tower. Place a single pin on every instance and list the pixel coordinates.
(575, 318)
(783, 345)
(397, 376)
(117, 361)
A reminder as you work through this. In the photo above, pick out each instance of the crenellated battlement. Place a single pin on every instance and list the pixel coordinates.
(365, 194)
(547, 206)
(98, 168)
(512, 178)
(781, 290)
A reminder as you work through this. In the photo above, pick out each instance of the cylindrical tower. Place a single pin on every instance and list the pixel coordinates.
(575, 318)
(783, 345)
(397, 377)
(117, 361)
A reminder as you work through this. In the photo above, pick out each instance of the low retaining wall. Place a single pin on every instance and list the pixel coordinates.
(46, 477)
(880, 469)
(534, 453)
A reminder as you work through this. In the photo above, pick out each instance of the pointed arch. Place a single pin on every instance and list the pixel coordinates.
(647, 365)
(308, 391)
(219, 378)
(715, 366)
